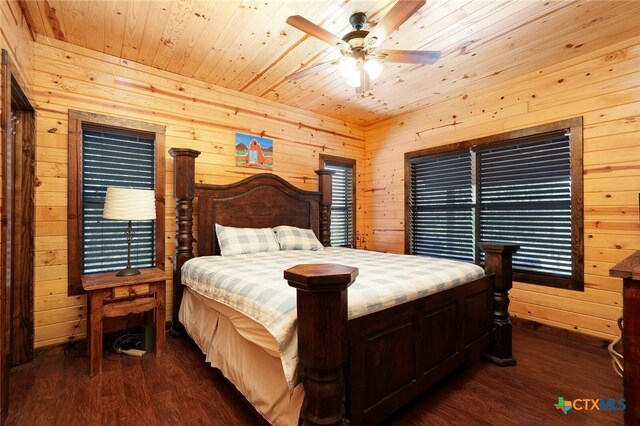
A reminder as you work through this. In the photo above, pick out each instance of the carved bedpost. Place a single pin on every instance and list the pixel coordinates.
(322, 337)
(183, 189)
(324, 186)
(499, 263)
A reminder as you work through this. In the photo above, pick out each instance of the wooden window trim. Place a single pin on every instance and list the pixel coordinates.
(324, 158)
(74, 211)
(576, 282)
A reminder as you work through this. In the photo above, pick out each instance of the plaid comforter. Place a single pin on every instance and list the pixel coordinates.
(253, 284)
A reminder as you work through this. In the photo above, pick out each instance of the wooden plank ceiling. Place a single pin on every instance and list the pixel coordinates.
(247, 45)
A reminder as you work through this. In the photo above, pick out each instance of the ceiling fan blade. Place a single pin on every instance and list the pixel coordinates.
(312, 70)
(409, 56)
(397, 15)
(312, 29)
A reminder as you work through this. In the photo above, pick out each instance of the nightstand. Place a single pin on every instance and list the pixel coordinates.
(111, 296)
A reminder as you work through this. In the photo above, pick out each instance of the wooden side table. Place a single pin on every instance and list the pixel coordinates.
(111, 296)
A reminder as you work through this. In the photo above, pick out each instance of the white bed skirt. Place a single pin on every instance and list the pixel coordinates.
(256, 373)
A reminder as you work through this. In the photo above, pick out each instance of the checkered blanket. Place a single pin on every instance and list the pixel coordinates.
(253, 284)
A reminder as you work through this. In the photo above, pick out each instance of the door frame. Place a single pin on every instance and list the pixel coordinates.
(16, 276)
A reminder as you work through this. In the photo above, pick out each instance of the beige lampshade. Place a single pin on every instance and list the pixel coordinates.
(129, 204)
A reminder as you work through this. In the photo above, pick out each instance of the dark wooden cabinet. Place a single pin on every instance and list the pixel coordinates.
(629, 271)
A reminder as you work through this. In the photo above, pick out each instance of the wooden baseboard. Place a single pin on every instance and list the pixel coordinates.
(560, 332)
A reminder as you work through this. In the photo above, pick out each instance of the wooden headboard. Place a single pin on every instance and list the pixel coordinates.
(260, 201)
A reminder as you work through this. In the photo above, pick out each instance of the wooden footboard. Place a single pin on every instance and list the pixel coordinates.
(397, 353)
(389, 357)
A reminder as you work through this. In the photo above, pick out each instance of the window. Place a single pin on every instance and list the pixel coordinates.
(442, 223)
(111, 157)
(518, 187)
(105, 152)
(342, 199)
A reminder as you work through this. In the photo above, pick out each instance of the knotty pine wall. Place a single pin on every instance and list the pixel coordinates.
(604, 88)
(15, 38)
(196, 115)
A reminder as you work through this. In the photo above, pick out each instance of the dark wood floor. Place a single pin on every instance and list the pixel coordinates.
(179, 388)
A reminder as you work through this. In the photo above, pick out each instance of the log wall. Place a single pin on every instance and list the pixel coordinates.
(196, 115)
(604, 88)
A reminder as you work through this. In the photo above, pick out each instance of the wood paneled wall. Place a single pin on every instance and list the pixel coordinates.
(16, 39)
(604, 88)
(196, 115)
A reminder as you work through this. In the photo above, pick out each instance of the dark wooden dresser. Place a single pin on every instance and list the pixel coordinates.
(629, 271)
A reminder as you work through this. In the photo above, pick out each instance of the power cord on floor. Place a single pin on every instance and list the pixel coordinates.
(124, 340)
(127, 341)
(75, 345)
(617, 360)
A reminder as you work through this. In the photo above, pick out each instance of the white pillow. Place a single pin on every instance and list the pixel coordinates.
(234, 241)
(292, 238)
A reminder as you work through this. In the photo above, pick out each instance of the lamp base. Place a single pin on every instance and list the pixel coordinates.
(126, 272)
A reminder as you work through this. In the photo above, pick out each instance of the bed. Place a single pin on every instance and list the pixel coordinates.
(360, 368)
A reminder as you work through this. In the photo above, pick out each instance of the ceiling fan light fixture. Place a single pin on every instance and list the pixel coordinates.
(348, 67)
(354, 79)
(362, 61)
(373, 68)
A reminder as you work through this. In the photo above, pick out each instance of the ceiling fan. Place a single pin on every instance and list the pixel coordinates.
(362, 61)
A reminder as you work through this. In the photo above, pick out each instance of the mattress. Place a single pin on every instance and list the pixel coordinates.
(235, 345)
(253, 285)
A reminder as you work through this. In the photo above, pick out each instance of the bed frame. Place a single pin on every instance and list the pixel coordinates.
(360, 370)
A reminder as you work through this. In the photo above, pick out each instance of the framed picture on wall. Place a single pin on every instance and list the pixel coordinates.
(254, 152)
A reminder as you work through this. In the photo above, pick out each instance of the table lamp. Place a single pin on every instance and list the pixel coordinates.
(129, 204)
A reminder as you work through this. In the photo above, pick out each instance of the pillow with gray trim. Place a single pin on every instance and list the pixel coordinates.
(234, 241)
(292, 238)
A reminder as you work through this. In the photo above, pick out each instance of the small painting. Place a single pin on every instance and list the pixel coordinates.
(254, 152)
